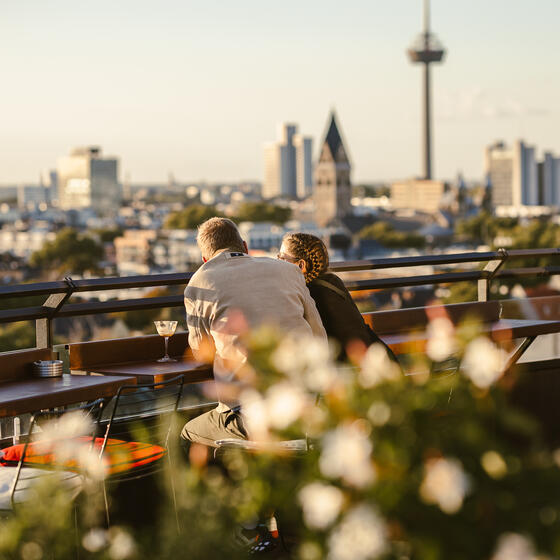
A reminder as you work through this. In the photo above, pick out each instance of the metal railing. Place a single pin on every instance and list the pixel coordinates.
(59, 293)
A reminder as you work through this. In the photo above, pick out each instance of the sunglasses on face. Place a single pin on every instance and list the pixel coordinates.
(284, 257)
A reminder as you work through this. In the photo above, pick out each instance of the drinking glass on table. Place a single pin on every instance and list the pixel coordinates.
(166, 329)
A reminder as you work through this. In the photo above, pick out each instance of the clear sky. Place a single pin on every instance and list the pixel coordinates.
(197, 87)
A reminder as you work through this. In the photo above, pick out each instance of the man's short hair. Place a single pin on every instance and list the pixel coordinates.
(216, 234)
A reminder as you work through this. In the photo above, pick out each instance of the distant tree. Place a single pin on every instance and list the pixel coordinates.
(143, 319)
(17, 336)
(108, 235)
(262, 212)
(484, 227)
(69, 253)
(191, 217)
(385, 233)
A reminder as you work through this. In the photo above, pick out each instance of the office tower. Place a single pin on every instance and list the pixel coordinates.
(304, 165)
(287, 164)
(513, 174)
(549, 180)
(85, 179)
(332, 191)
(426, 50)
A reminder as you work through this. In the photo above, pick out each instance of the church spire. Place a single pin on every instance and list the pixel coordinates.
(333, 141)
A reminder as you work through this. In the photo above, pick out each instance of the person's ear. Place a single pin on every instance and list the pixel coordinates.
(302, 265)
(245, 247)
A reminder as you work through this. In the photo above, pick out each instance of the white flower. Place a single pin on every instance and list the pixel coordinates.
(445, 484)
(493, 463)
(297, 354)
(71, 425)
(320, 379)
(284, 404)
(361, 535)
(512, 546)
(346, 454)
(321, 504)
(483, 362)
(31, 551)
(379, 413)
(255, 415)
(377, 367)
(441, 339)
(122, 545)
(95, 539)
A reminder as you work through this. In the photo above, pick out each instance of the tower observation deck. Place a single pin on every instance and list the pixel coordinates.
(426, 49)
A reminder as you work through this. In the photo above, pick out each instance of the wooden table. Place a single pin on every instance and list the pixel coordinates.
(33, 394)
(151, 371)
(501, 331)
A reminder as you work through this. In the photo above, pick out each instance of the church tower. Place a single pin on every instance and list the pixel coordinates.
(332, 190)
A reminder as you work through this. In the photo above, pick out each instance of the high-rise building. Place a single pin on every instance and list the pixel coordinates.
(549, 180)
(288, 164)
(304, 165)
(85, 179)
(513, 174)
(332, 191)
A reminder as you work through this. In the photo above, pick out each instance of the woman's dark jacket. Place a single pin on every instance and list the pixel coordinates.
(341, 317)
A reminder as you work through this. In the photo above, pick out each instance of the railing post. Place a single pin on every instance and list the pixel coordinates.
(44, 326)
(490, 271)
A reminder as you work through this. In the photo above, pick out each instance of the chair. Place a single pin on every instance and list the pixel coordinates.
(38, 459)
(137, 433)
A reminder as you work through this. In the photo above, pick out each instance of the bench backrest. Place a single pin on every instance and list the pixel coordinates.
(399, 320)
(17, 364)
(120, 350)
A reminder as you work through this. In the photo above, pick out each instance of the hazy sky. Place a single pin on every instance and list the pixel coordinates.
(197, 87)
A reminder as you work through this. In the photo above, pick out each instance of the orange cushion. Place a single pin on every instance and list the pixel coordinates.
(119, 455)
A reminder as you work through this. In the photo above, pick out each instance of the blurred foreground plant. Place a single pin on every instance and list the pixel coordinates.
(422, 466)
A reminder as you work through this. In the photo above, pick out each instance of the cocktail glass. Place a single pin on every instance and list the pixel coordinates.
(166, 329)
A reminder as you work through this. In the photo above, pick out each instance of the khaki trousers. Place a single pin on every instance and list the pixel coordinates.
(214, 425)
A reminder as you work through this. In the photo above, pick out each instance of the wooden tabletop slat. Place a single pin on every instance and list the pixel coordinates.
(153, 372)
(33, 394)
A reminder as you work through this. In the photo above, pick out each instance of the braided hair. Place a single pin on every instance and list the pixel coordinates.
(311, 249)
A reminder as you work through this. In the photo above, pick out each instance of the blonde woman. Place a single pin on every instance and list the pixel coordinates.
(341, 317)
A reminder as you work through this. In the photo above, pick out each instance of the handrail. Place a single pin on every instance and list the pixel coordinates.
(60, 292)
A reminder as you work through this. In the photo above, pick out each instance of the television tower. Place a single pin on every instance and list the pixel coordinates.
(426, 49)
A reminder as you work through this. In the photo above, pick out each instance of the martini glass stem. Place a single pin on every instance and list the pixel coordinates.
(166, 357)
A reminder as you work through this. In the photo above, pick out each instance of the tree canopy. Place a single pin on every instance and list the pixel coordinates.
(69, 253)
(262, 212)
(385, 233)
(191, 217)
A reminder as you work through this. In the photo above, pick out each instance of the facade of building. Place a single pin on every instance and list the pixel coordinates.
(304, 165)
(417, 194)
(549, 180)
(288, 164)
(86, 179)
(513, 174)
(133, 252)
(332, 192)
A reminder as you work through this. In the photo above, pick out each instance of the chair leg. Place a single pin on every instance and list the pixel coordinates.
(76, 532)
(107, 518)
(173, 493)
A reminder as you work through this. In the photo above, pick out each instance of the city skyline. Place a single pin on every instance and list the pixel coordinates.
(197, 89)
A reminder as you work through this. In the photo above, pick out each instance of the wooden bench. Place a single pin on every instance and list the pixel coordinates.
(417, 318)
(404, 330)
(16, 365)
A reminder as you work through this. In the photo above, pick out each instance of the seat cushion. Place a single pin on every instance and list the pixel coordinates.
(119, 455)
(70, 481)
